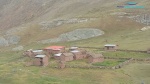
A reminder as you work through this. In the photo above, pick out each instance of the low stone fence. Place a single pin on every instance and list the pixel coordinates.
(124, 50)
(92, 47)
(123, 64)
(142, 60)
(89, 67)
(116, 58)
(141, 51)
(128, 60)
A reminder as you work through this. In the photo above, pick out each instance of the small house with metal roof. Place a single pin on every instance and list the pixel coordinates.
(110, 47)
(64, 56)
(41, 60)
(78, 54)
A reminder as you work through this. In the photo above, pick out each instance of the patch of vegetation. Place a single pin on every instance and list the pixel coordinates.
(108, 63)
(119, 54)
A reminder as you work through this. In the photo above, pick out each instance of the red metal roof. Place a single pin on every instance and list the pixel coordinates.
(55, 47)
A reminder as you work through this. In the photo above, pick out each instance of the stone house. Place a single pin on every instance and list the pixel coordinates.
(33, 53)
(73, 48)
(41, 60)
(64, 56)
(110, 47)
(77, 55)
(51, 50)
(95, 58)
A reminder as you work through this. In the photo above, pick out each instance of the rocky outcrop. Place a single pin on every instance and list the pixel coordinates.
(145, 28)
(3, 42)
(77, 34)
(9, 40)
(18, 48)
(59, 22)
(80, 34)
(14, 39)
(141, 18)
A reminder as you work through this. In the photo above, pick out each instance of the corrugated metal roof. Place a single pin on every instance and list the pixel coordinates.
(37, 51)
(75, 51)
(40, 56)
(73, 47)
(59, 54)
(110, 45)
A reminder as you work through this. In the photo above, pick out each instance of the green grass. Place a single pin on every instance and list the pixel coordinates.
(125, 33)
(119, 54)
(108, 63)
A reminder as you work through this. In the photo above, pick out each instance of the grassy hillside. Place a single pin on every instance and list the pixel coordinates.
(122, 31)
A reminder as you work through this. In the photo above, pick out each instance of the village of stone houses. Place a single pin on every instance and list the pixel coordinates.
(74, 41)
(62, 55)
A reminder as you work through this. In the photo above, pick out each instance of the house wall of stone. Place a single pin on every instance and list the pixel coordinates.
(110, 48)
(93, 60)
(41, 62)
(78, 55)
(37, 62)
(66, 58)
(57, 57)
(45, 61)
(61, 64)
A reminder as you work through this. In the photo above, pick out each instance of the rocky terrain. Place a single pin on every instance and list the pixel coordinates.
(77, 34)
(18, 17)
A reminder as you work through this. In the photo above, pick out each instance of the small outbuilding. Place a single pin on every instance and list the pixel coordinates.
(38, 52)
(95, 58)
(64, 56)
(77, 55)
(41, 60)
(73, 48)
(33, 53)
(110, 47)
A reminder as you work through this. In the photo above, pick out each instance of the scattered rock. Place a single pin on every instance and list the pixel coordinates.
(58, 22)
(18, 48)
(145, 28)
(13, 31)
(77, 34)
(3, 42)
(50, 41)
(14, 39)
